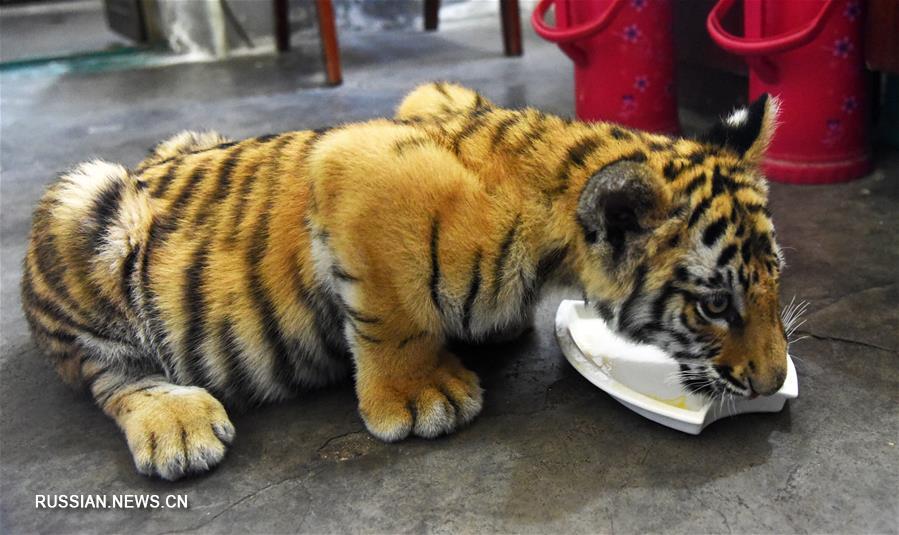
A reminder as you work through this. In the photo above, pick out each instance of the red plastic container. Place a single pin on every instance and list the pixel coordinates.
(623, 53)
(809, 54)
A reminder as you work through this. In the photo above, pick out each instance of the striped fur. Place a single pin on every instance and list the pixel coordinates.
(244, 272)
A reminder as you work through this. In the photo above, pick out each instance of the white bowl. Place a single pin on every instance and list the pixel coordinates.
(640, 376)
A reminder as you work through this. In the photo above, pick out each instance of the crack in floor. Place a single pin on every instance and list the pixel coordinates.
(847, 341)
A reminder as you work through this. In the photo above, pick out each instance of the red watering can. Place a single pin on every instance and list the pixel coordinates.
(623, 53)
(809, 54)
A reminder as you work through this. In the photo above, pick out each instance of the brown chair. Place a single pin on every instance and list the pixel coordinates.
(509, 15)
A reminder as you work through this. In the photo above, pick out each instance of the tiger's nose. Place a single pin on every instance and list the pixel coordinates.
(766, 384)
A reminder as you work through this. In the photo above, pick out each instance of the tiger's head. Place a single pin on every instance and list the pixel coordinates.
(679, 251)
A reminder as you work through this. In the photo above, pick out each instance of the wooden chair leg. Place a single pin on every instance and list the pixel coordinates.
(511, 22)
(282, 25)
(328, 32)
(432, 11)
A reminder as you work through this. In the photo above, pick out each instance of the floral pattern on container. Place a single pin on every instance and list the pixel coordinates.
(842, 47)
(853, 10)
(641, 83)
(833, 132)
(631, 33)
(628, 106)
(850, 104)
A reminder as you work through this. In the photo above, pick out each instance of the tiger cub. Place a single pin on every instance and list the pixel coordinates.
(242, 272)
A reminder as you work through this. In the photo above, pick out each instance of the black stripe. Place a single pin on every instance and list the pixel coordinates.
(635, 156)
(30, 298)
(238, 214)
(90, 380)
(439, 86)
(619, 133)
(238, 379)
(679, 337)
(108, 392)
(698, 157)
(727, 255)
(505, 247)
(604, 309)
(158, 231)
(533, 136)
(52, 268)
(105, 207)
(656, 146)
(671, 170)
(282, 367)
(661, 302)
(222, 187)
(625, 310)
(177, 207)
(580, 151)
(152, 237)
(41, 330)
(476, 120)
(714, 231)
(575, 155)
(695, 183)
(698, 212)
(435, 265)
(341, 274)
(499, 133)
(142, 388)
(363, 336)
(746, 251)
(161, 228)
(266, 138)
(411, 338)
(719, 183)
(166, 181)
(195, 310)
(550, 262)
(360, 317)
(754, 208)
(473, 288)
(327, 317)
(478, 101)
(413, 142)
(127, 276)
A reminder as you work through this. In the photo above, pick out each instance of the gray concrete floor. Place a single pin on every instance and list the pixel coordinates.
(550, 453)
(51, 29)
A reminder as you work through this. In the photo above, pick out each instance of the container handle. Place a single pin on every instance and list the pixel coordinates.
(567, 35)
(774, 44)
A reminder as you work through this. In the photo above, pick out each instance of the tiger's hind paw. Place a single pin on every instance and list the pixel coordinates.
(174, 431)
(438, 403)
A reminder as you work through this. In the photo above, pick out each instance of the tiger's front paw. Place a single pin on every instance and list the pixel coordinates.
(173, 431)
(428, 405)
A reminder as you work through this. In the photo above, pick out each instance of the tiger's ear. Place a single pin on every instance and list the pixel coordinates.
(620, 205)
(748, 131)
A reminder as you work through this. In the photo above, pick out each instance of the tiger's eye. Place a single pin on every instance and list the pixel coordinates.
(715, 305)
